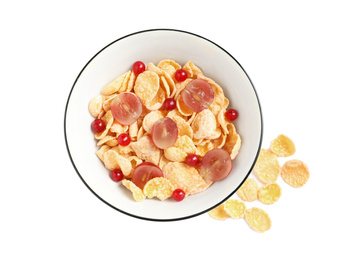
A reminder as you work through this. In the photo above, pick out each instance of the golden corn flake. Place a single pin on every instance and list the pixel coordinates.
(146, 86)
(100, 152)
(107, 102)
(124, 85)
(235, 208)
(249, 190)
(108, 119)
(192, 70)
(163, 161)
(165, 86)
(159, 187)
(204, 124)
(136, 191)
(257, 219)
(179, 151)
(220, 142)
(267, 167)
(218, 213)
(185, 143)
(180, 86)
(233, 141)
(114, 86)
(151, 67)
(157, 101)
(183, 109)
(146, 150)
(204, 147)
(295, 173)
(118, 128)
(223, 121)
(282, 146)
(95, 105)
(131, 82)
(150, 119)
(183, 127)
(175, 154)
(183, 177)
(105, 140)
(133, 129)
(167, 64)
(269, 194)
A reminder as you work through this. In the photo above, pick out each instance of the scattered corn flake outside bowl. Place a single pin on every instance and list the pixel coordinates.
(153, 46)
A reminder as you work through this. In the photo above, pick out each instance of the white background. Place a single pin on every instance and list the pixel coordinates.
(297, 55)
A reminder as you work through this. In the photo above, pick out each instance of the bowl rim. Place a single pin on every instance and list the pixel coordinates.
(147, 218)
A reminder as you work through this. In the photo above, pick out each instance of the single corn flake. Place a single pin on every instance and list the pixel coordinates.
(159, 187)
(295, 173)
(183, 177)
(146, 150)
(223, 121)
(183, 109)
(218, 213)
(235, 208)
(220, 142)
(179, 151)
(157, 101)
(233, 141)
(95, 105)
(101, 152)
(282, 146)
(192, 70)
(118, 128)
(175, 154)
(126, 80)
(257, 219)
(163, 161)
(185, 144)
(183, 127)
(136, 191)
(269, 194)
(108, 119)
(204, 124)
(249, 190)
(150, 119)
(146, 86)
(267, 167)
(114, 86)
(204, 147)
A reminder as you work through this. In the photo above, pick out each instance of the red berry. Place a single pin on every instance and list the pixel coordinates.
(169, 104)
(192, 160)
(178, 195)
(98, 126)
(180, 75)
(124, 139)
(231, 114)
(117, 175)
(138, 67)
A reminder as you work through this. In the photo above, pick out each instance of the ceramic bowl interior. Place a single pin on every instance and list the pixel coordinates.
(153, 46)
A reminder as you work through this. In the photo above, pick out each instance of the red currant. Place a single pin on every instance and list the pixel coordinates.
(124, 139)
(180, 75)
(169, 104)
(98, 126)
(138, 67)
(231, 114)
(192, 160)
(117, 175)
(178, 195)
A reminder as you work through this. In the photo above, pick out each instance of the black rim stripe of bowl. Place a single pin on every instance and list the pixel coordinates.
(152, 219)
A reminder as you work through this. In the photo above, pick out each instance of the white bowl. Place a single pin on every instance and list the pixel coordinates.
(153, 46)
